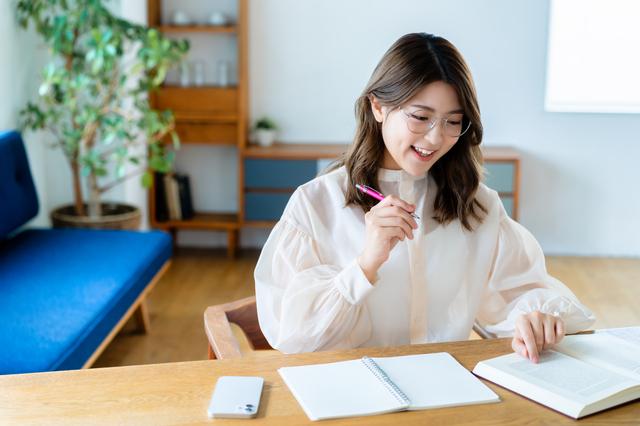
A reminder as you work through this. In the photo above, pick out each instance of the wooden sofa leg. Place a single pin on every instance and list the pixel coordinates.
(142, 317)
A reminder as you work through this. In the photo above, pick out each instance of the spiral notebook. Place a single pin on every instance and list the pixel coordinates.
(369, 386)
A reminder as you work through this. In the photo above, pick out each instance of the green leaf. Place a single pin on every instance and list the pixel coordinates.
(147, 179)
(120, 170)
(44, 88)
(176, 140)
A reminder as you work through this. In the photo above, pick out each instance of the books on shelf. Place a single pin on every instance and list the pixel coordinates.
(173, 197)
(371, 386)
(582, 375)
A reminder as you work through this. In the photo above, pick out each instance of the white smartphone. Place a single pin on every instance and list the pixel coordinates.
(236, 397)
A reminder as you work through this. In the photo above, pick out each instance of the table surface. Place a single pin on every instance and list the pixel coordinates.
(179, 393)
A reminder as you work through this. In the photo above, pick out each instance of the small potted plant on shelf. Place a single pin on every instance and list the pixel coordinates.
(94, 101)
(266, 131)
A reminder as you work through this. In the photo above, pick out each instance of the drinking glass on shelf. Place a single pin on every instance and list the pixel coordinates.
(223, 73)
(185, 79)
(199, 73)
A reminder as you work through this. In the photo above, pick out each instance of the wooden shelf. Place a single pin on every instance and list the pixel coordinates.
(292, 151)
(223, 221)
(499, 154)
(227, 29)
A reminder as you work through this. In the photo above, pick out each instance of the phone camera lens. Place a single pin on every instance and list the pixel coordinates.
(249, 406)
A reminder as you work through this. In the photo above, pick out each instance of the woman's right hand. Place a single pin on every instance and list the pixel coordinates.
(387, 223)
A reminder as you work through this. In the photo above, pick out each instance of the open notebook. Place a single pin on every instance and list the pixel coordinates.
(370, 386)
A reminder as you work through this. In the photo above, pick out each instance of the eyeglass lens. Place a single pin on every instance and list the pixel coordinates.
(421, 121)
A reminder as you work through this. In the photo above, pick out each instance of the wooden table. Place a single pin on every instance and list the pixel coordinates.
(179, 393)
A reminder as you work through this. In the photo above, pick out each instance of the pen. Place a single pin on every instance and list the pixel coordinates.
(375, 194)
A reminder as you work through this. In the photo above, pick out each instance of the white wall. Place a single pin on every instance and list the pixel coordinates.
(310, 59)
(18, 84)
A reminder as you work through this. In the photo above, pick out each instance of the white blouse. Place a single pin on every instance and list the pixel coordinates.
(312, 294)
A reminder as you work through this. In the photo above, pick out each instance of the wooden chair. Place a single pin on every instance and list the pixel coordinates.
(243, 313)
(222, 341)
(481, 331)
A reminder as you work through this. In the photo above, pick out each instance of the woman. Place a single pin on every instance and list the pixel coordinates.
(343, 270)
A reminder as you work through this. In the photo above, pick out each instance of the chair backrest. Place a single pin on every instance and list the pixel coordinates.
(18, 198)
(222, 342)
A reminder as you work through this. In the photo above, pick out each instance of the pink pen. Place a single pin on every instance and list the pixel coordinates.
(375, 194)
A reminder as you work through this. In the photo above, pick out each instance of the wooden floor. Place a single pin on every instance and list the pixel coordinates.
(199, 278)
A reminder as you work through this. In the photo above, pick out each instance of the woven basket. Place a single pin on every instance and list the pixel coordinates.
(114, 216)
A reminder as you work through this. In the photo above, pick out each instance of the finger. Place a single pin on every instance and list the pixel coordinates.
(560, 329)
(528, 338)
(549, 332)
(395, 211)
(395, 201)
(518, 345)
(394, 221)
(536, 319)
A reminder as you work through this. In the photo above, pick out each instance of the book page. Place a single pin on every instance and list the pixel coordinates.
(560, 374)
(435, 380)
(605, 351)
(339, 389)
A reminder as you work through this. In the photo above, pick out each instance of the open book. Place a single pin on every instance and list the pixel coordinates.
(370, 386)
(582, 375)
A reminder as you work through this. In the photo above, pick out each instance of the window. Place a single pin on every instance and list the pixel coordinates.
(593, 62)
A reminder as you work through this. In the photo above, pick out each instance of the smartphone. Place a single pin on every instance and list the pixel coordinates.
(236, 397)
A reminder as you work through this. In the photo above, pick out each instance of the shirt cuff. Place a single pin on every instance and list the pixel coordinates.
(353, 284)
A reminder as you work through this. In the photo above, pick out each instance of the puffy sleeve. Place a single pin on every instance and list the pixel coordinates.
(306, 306)
(519, 284)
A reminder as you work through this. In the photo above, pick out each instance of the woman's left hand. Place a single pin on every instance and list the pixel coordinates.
(536, 332)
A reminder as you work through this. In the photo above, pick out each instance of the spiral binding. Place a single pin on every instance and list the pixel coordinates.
(386, 381)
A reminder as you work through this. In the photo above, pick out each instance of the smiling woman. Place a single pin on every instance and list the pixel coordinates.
(343, 269)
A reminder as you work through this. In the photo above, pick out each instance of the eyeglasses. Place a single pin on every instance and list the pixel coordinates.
(421, 121)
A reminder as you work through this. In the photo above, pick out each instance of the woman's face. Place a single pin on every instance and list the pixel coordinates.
(411, 152)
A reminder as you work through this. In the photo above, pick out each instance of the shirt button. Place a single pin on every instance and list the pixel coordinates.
(417, 266)
(418, 319)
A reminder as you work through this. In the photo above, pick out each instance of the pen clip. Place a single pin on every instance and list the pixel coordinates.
(368, 188)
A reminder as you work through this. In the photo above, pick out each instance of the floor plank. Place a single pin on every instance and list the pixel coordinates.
(199, 278)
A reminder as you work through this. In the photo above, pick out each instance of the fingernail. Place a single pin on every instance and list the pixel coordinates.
(535, 360)
(523, 352)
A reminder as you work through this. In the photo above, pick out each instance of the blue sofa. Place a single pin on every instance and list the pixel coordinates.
(65, 293)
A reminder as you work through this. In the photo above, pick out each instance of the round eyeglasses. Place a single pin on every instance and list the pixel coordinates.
(421, 121)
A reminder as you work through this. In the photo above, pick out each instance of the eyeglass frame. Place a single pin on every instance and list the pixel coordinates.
(433, 124)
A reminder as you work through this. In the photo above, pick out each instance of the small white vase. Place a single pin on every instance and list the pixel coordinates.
(265, 137)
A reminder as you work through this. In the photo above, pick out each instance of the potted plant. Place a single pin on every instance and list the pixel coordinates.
(94, 99)
(266, 131)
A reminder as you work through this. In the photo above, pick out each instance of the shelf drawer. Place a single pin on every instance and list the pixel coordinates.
(278, 173)
(201, 100)
(264, 206)
(217, 133)
(500, 176)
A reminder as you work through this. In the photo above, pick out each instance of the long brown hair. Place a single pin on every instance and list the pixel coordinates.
(413, 62)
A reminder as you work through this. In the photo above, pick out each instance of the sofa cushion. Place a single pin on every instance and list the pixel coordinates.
(18, 199)
(63, 291)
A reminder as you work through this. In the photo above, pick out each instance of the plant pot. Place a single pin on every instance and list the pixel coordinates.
(265, 137)
(114, 216)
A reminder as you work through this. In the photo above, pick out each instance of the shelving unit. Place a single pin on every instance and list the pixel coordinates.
(210, 115)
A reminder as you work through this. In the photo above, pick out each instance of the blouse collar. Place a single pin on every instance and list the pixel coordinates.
(387, 175)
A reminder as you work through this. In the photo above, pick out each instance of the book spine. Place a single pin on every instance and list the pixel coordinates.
(162, 211)
(385, 380)
(184, 192)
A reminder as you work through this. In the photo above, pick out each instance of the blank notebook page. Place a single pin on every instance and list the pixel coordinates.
(341, 389)
(435, 380)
